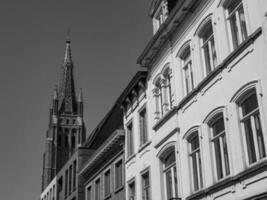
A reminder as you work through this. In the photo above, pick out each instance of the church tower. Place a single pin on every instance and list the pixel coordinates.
(66, 129)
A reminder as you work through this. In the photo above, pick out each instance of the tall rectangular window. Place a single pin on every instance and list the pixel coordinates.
(251, 124)
(89, 193)
(195, 160)
(236, 22)
(74, 174)
(130, 142)
(70, 179)
(220, 147)
(208, 48)
(143, 126)
(107, 183)
(146, 186)
(118, 174)
(97, 189)
(187, 70)
(131, 190)
(66, 182)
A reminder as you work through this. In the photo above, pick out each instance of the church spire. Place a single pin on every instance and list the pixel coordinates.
(67, 97)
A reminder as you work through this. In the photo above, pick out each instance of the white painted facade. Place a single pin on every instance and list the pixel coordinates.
(239, 73)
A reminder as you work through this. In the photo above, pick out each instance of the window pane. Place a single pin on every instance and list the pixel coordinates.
(194, 142)
(195, 173)
(143, 126)
(234, 30)
(232, 6)
(250, 141)
(97, 190)
(218, 126)
(175, 181)
(218, 158)
(118, 171)
(107, 182)
(242, 23)
(169, 183)
(249, 104)
(132, 191)
(260, 139)
(226, 159)
(89, 193)
(206, 52)
(170, 159)
(146, 186)
(130, 139)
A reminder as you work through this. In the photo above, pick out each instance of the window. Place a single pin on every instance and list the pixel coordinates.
(89, 193)
(130, 142)
(187, 70)
(107, 183)
(170, 175)
(160, 16)
(74, 175)
(143, 126)
(66, 183)
(252, 129)
(118, 175)
(236, 22)
(167, 88)
(146, 186)
(195, 161)
(131, 190)
(97, 189)
(158, 99)
(208, 48)
(219, 145)
(70, 179)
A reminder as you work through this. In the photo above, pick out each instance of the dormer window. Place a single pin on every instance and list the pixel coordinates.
(161, 12)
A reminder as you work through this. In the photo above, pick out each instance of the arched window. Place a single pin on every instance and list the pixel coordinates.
(216, 124)
(169, 173)
(208, 51)
(186, 63)
(251, 126)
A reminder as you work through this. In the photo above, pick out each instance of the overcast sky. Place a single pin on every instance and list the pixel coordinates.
(107, 37)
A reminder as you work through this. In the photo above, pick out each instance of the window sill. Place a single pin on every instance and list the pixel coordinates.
(143, 146)
(119, 189)
(164, 119)
(130, 158)
(252, 171)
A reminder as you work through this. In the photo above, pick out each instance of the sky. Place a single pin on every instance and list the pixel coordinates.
(106, 36)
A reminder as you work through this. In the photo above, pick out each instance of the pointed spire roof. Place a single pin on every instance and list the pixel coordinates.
(67, 97)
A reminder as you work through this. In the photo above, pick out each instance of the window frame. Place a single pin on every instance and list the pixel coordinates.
(143, 134)
(144, 172)
(130, 142)
(201, 31)
(118, 187)
(186, 63)
(240, 96)
(107, 193)
(91, 189)
(213, 117)
(200, 172)
(130, 182)
(168, 150)
(239, 38)
(98, 179)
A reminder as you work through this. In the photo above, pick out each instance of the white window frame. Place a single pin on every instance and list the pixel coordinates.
(208, 43)
(86, 194)
(237, 99)
(120, 159)
(228, 15)
(214, 116)
(141, 132)
(146, 171)
(131, 181)
(130, 141)
(104, 182)
(200, 167)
